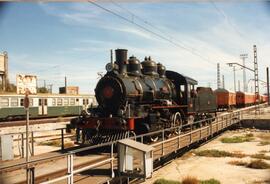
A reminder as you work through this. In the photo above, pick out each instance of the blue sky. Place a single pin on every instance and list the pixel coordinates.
(53, 40)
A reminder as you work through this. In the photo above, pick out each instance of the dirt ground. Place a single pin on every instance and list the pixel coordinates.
(210, 167)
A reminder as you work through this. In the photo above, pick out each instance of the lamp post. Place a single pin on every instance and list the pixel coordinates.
(233, 65)
(243, 57)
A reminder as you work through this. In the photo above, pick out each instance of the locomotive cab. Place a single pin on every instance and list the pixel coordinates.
(185, 90)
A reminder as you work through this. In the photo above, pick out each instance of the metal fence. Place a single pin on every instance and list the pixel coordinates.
(196, 131)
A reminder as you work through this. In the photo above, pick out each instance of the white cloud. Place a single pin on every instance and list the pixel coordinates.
(223, 42)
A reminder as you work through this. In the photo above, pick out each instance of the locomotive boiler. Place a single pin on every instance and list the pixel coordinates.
(142, 97)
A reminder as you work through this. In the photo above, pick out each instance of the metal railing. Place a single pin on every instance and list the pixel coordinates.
(213, 126)
(21, 138)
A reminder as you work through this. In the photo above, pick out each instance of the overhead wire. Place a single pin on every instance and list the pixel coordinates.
(155, 27)
(222, 13)
(190, 50)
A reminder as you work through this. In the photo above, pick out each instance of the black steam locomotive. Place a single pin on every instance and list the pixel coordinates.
(143, 97)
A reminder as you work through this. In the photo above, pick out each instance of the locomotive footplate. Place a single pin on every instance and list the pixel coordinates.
(107, 123)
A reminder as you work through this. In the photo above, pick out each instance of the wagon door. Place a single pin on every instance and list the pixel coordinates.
(43, 106)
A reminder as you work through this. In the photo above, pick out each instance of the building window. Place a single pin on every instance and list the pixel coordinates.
(4, 102)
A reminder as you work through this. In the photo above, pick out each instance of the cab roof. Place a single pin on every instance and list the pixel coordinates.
(180, 77)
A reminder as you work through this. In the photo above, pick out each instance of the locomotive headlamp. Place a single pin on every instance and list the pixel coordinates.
(109, 67)
(108, 92)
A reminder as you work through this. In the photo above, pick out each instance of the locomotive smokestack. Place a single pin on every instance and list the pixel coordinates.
(121, 60)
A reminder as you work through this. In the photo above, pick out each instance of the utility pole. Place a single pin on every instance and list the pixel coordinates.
(267, 79)
(234, 80)
(50, 87)
(243, 57)
(65, 85)
(256, 78)
(256, 81)
(218, 76)
(223, 82)
(238, 85)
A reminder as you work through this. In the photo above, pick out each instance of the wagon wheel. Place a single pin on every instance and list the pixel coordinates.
(154, 138)
(177, 121)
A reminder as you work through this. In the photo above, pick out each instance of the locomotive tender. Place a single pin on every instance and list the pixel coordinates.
(143, 97)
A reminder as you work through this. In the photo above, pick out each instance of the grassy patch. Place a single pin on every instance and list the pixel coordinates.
(264, 136)
(163, 181)
(188, 180)
(258, 164)
(263, 151)
(213, 153)
(249, 135)
(238, 162)
(68, 144)
(238, 139)
(254, 164)
(57, 143)
(260, 156)
(210, 181)
(264, 143)
(218, 153)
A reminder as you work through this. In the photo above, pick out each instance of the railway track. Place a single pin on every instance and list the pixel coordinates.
(35, 121)
(162, 148)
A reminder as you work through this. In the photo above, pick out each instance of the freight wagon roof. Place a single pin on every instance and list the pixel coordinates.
(246, 93)
(181, 76)
(224, 90)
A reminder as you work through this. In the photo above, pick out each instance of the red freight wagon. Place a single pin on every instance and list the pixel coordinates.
(225, 99)
(264, 98)
(244, 99)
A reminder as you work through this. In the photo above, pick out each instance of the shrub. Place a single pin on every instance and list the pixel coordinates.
(260, 156)
(249, 135)
(258, 164)
(163, 181)
(190, 180)
(254, 164)
(238, 163)
(237, 139)
(213, 153)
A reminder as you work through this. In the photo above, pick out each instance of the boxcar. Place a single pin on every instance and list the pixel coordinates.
(244, 99)
(225, 99)
(43, 105)
(263, 98)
